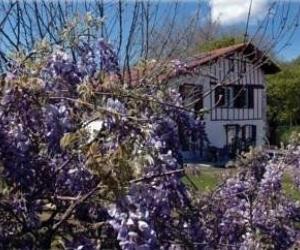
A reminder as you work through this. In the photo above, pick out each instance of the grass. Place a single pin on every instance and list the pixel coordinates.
(207, 179)
(289, 187)
(210, 177)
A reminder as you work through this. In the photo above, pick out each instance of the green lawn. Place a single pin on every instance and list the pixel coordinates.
(210, 177)
(205, 181)
(289, 187)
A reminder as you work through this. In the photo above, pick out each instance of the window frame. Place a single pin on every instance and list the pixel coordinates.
(230, 99)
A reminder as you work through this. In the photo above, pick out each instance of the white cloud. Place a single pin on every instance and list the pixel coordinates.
(235, 11)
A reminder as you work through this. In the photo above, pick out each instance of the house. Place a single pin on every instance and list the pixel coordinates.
(230, 84)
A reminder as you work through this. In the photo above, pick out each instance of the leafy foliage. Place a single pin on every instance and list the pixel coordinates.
(217, 43)
(283, 90)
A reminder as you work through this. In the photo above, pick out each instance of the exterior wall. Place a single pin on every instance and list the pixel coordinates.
(221, 69)
(217, 118)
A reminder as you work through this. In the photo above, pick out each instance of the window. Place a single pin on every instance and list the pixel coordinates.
(240, 138)
(233, 139)
(192, 96)
(243, 96)
(224, 97)
(250, 95)
(240, 97)
(232, 133)
(220, 96)
(237, 96)
(249, 135)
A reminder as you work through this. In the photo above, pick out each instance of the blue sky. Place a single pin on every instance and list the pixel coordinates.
(233, 13)
(232, 16)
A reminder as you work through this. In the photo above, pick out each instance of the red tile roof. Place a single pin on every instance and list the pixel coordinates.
(249, 50)
(166, 71)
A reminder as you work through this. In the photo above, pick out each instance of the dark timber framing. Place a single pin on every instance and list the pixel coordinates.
(252, 79)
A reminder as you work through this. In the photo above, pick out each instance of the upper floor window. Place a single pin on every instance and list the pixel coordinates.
(237, 96)
(192, 96)
(243, 96)
(224, 97)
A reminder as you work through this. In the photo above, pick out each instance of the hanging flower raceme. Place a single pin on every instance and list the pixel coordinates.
(109, 59)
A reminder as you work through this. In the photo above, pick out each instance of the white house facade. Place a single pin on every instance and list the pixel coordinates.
(229, 83)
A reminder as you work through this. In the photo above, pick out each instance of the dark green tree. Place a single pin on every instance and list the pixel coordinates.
(221, 42)
(283, 93)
